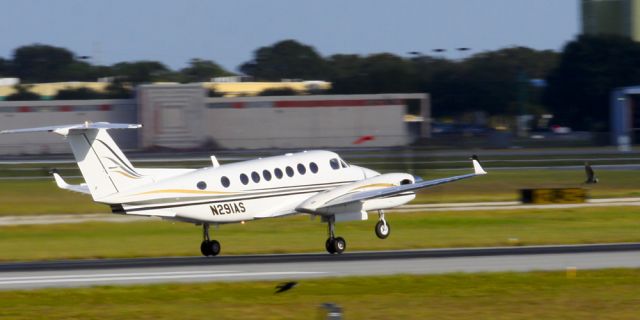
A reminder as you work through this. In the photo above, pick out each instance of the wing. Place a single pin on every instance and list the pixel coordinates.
(81, 188)
(385, 192)
(361, 190)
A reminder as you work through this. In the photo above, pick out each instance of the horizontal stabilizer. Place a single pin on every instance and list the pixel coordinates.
(65, 129)
(81, 188)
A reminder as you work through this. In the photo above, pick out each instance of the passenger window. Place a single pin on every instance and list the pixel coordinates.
(313, 167)
(278, 173)
(334, 164)
(201, 185)
(244, 179)
(225, 182)
(301, 169)
(255, 177)
(267, 175)
(289, 171)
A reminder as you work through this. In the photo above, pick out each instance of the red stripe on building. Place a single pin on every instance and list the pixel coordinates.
(65, 108)
(320, 103)
(24, 109)
(335, 103)
(105, 107)
(238, 105)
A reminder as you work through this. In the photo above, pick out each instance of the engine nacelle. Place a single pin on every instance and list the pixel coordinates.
(357, 211)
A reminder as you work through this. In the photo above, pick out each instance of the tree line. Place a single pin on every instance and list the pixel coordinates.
(573, 84)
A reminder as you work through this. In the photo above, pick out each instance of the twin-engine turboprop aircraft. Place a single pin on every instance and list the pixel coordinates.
(318, 183)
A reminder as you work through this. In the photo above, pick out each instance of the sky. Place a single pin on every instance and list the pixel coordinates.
(228, 32)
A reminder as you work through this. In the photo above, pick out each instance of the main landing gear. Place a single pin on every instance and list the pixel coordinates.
(333, 244)
(382, 227)
(338, 244)
(208, 247)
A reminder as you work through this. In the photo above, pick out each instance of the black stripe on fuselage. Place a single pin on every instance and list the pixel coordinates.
(219, 201)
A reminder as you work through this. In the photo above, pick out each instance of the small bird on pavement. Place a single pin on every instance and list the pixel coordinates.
(285, 286)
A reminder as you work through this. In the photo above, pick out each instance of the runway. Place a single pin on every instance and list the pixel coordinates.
(304, 266)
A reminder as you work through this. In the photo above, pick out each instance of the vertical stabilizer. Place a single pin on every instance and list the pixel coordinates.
(104, 167)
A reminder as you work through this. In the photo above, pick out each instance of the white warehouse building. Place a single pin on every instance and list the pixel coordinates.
(182, 117)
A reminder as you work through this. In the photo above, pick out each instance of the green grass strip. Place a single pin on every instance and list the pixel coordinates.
(600, 294)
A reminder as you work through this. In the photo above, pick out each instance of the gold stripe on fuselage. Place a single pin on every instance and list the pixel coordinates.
(185, 191)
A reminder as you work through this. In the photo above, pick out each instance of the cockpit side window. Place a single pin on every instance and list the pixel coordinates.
(335, 164)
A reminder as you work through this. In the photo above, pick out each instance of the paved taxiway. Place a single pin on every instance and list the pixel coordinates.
(302, 266)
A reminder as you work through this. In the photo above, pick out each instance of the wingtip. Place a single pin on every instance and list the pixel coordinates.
(477, 168)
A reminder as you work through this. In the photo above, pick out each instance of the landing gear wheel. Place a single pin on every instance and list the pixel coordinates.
(333, 244)
(205, 248)
(214, 245)
(210, 248)
(382, 229)
(339, 245)
(329, 246)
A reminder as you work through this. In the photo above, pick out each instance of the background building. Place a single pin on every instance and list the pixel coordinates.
(611, 17)
(182, 116)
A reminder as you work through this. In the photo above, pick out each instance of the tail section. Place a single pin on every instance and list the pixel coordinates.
(105, 168)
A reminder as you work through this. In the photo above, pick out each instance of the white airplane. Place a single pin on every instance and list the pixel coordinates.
(318, 183)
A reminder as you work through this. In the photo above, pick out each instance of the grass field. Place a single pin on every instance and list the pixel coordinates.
(18, 197)
(299, 234)
(601, 294)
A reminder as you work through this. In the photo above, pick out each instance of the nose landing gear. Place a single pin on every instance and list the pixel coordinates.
(382, 227)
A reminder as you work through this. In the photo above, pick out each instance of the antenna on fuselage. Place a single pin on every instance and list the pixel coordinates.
(214, 162)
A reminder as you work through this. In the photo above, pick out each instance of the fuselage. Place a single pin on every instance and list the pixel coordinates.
(260, 188)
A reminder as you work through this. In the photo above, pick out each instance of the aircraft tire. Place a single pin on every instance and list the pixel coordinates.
(210, 248)
(330, 246)
(382, 230)
(215, 247)
(206, 249)
(339, 245)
